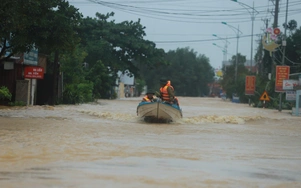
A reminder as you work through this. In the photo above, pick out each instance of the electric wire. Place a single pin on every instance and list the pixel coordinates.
(156, 13)
(202, 40)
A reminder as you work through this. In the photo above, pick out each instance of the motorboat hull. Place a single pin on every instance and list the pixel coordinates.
(159, 111)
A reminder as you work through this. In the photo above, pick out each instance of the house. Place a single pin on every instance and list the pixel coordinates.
(20, 73)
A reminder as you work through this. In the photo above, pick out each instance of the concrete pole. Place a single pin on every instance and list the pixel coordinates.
(236, 63)
(283, 55)
(253, 18)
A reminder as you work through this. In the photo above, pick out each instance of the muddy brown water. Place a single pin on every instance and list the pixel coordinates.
(105, 144)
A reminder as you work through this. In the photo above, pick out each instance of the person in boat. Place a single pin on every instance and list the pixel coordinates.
(149, 97)
(167, 93)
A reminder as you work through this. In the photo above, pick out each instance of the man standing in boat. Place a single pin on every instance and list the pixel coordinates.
(167, 92)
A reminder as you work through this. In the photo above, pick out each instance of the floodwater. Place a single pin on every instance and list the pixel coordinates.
(216, 144)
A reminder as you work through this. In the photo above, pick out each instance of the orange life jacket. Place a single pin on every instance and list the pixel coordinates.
(164, 93)
(146, 99)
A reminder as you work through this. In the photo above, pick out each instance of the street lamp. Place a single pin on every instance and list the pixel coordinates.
(226, 45)
(237, 31)
(222, 48)
(253, 13)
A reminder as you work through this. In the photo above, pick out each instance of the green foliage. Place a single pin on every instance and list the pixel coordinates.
(99, 74)
(41, 23)
(17, 103)
(117, 45)
(78, 93)
(4, 93)
(291, 25)
(228, 82)
(72, 66)
(62, 21)
(189, 73)
(140, 84)
(293, 52)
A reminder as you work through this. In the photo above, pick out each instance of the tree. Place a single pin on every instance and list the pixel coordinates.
(61, 37)
(189, 72)
(27, 24)
(228, 82)
(293, 52)
(117, 44)
(100, 75)
(291, 26)
(114, 47)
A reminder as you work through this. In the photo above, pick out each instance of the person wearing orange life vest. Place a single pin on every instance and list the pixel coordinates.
(149, 97)
(167, 92)
(175, 101)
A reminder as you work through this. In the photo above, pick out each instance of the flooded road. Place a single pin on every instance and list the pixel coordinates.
(216, 144)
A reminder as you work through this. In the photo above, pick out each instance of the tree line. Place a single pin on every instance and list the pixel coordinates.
(91, 51)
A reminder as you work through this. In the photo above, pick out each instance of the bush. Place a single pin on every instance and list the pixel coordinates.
(4, 93)
(78, 93)
(17, 103)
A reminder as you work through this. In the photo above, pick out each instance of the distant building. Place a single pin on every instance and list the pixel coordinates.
(226, 63)
(125, 85)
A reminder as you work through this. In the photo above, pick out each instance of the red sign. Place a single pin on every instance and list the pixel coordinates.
(250, 85)
(276, 31)
(282, 73)
(34, 72)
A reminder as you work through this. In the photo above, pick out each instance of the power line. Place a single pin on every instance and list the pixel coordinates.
(231, 15)
(203, 40)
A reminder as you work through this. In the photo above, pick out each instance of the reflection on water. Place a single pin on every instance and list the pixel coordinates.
(216, 144)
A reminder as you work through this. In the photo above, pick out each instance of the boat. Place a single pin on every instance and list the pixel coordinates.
(159, 111)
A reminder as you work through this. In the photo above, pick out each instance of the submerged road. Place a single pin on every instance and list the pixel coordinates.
(216, 144)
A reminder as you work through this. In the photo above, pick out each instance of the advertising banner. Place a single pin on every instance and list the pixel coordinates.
(290, 84)
(250, 85)
(282, 73)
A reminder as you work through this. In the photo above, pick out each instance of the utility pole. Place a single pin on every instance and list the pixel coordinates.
(266, 23)
(262, 68)
(283, 54)
(252, 18)
(274, 26)
(284, 38)
(276, 14)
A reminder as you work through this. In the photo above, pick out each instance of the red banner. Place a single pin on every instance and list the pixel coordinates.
(282, 73)
(34, 72)
(250, 85)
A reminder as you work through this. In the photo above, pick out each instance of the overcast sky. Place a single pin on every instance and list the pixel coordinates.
(173, 24)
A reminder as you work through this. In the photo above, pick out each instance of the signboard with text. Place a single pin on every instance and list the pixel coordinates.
(31, 58)
(290, 95)
(34, 72)
(250, 85)
(282, 73)
(290, 84)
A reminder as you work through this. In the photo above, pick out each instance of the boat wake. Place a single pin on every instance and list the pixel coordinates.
(219, 119)
(109, 115)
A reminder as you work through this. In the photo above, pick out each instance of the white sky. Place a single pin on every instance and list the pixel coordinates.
(172, 23)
